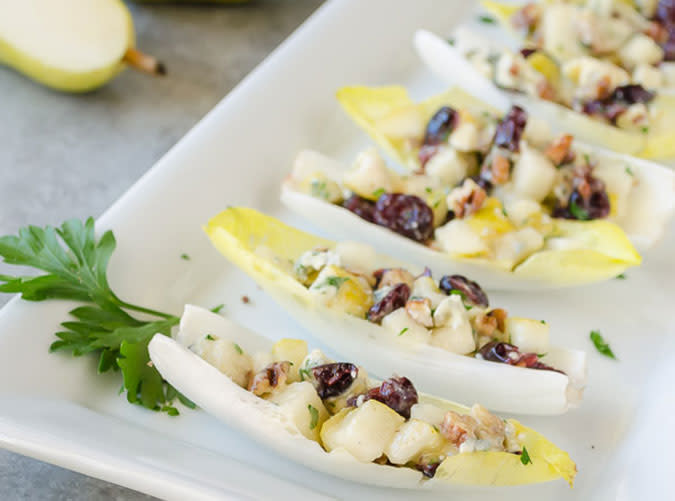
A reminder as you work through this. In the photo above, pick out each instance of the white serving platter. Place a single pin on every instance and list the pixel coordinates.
(54, 407)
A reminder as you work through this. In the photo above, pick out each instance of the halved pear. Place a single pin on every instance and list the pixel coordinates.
(70, 45)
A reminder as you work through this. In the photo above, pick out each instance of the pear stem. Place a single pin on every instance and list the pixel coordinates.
(144, 62)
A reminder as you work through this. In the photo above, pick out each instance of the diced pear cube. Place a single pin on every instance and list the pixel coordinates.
(454, 333)
(412, 439)
(457, 237)
(530, 336)
(370, 177)
(300, 402)
(428, 413)
(448, 166)
(293, 351)
(640, 49)
(227, 357)
(515, 246)
(356, 256)
(337, 288)
(533, 174)
(404, 328)
(403, 123)
(426, 287)
(364, 432)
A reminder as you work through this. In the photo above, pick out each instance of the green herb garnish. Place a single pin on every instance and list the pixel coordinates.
(217, 309)
(428, 189)
(336, 282)
(525, 457)
(543, 321)
(238, 348)
(403, 331)
(314, 414)
(451, 41)
(378, 192)
(185, 257)
(644, 130)
(319, 189)
(601, 345)
(629, 171)
(622, 276)
(210, 337)
(304, 373)
(485, 19)
(75, 265)
(578, 212)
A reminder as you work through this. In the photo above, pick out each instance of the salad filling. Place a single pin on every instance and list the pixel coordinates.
(336, 405)
(452, 314)
(487, 187)
(606, 59)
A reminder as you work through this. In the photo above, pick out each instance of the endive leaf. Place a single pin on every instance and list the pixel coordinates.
(218, 395)
(498, 386)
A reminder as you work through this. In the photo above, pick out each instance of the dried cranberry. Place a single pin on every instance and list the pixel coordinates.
(527, 52)
(428, 469)
(440, 126)
(631, 94)
(362, 207)
(334, 379)
(506, 353)
(471, 291)
(665, 13)
(397, 393)
(588, 200)
(395, 299)
(510, 129)
(407, 215)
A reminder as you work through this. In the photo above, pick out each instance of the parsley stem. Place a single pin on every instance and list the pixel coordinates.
(148, 311)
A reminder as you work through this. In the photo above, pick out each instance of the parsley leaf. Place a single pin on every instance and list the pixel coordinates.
(74, 265)
(525, 457)
(578, 212)
(217, 309)
(378, 192)
(238, 348)
(335, 281)
(485, 19)
(185, 257)
(629, 171)
(403, 331)
(622, 276)
(314, 415)
(210, 337)
(601, 345)
(304, 373)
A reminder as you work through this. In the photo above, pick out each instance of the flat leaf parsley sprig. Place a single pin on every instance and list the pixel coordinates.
(75, 266)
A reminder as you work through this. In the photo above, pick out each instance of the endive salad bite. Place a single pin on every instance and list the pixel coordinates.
(375, 310)
(488, 195)
(331, 417)
(625, 106)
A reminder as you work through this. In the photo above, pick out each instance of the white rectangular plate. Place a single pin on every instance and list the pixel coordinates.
(54, 408)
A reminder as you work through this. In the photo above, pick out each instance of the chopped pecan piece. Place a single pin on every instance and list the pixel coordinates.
(419, 310)
(458, 427)
(657, 31)
(500, 315)
(485, 325)
(545, 90)
(527, 17)
(466, 199)
(270, 378)
(559, 150)
(388, 277)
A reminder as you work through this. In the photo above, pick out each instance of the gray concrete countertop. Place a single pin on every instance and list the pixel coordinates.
(64, 156)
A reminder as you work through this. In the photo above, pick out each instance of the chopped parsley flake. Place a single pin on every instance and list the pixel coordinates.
(210, 337)
(428, 189)
(378, 192)
(170, 410)
(451, 41)
(458, 293)
(319, 189)
(185, 257)
(238, 348)
(543, 321)
(314, 414)
(525, 457)
(621, 277)
(403, 331)
(601, 345)
(218, 308)
(487, 19)
(335, 281)
(578, 212)
(629, 171)
(644, 130)
(304, 373)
